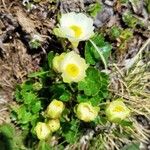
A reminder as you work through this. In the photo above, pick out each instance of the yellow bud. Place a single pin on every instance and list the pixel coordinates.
(117, 111)
(42, 131)
(55, 109)
(57, 62)
(54, 125)
(86, 112)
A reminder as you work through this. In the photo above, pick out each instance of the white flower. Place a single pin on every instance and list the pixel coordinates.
(73, 67)
(42, 131)
(55, 109)
(76, 27)
(86, 112)
(117, 111)
(54, 125)
(57, 61)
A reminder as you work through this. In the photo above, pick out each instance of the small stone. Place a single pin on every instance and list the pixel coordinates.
(103, 17)
(109, 2)
(89, 1)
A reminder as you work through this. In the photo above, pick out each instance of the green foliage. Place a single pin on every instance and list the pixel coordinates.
(92, 55)
(40, 74)
(93, 83)
(129, 19)
(94, 87)
(93, 9)
(43, 146)
(115, 32)
(30, 105)
(124, 1)
(126, 35)
(28, 112)
(71, 131)
(148, 5)
(50, 58)
(8, 138)
(132, 146)
(35, 43)
(60, 92)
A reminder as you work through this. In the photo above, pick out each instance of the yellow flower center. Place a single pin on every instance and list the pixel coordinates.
(72, 70)
(57, 104)
(118, 109)
(77, 30)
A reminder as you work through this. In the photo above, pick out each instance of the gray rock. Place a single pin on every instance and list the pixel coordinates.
(109, 2)
(89, 1)
(137, 6)
(103, 17)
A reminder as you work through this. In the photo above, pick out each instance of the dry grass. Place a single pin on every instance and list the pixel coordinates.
(133, 85)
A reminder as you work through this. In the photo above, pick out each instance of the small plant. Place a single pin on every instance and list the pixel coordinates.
(93, 9)
(115, 32)
(69, 94)
(129, 19)
(35, 42)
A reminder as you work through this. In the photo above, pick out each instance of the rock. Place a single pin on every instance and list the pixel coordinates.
(137, 6)
(71, 6)
(109, 2)
(104, 16)
(87, 2)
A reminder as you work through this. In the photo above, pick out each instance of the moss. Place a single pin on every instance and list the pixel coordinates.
(129, 19)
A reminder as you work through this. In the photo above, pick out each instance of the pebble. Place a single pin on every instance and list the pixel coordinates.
(109, 2)
(103, 17)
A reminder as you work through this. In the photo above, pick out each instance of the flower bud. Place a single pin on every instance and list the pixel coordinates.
(117, 111)
(55, 109)
(37, 86)
(54, 125)
(57, 62)
(42, 131)
(86, 112)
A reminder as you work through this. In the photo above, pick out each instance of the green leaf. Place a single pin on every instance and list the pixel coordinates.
(50, 58)
(93, 83)
(93, 9)
(126, 123)
(100, 120)
(95, 100)
(82, 98)
(27, 86)
(23, 115)
(34, 43)
(114, 32)
(66, 96)
(132, 146)
(148, 6)
(7, 130)
(129, 19)
(36, 107)
(43, 146)
(7, 137)
(97, 49)
(18, 96)
(70, 131)
(60, 91)
(29, 97)
(38, 74)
